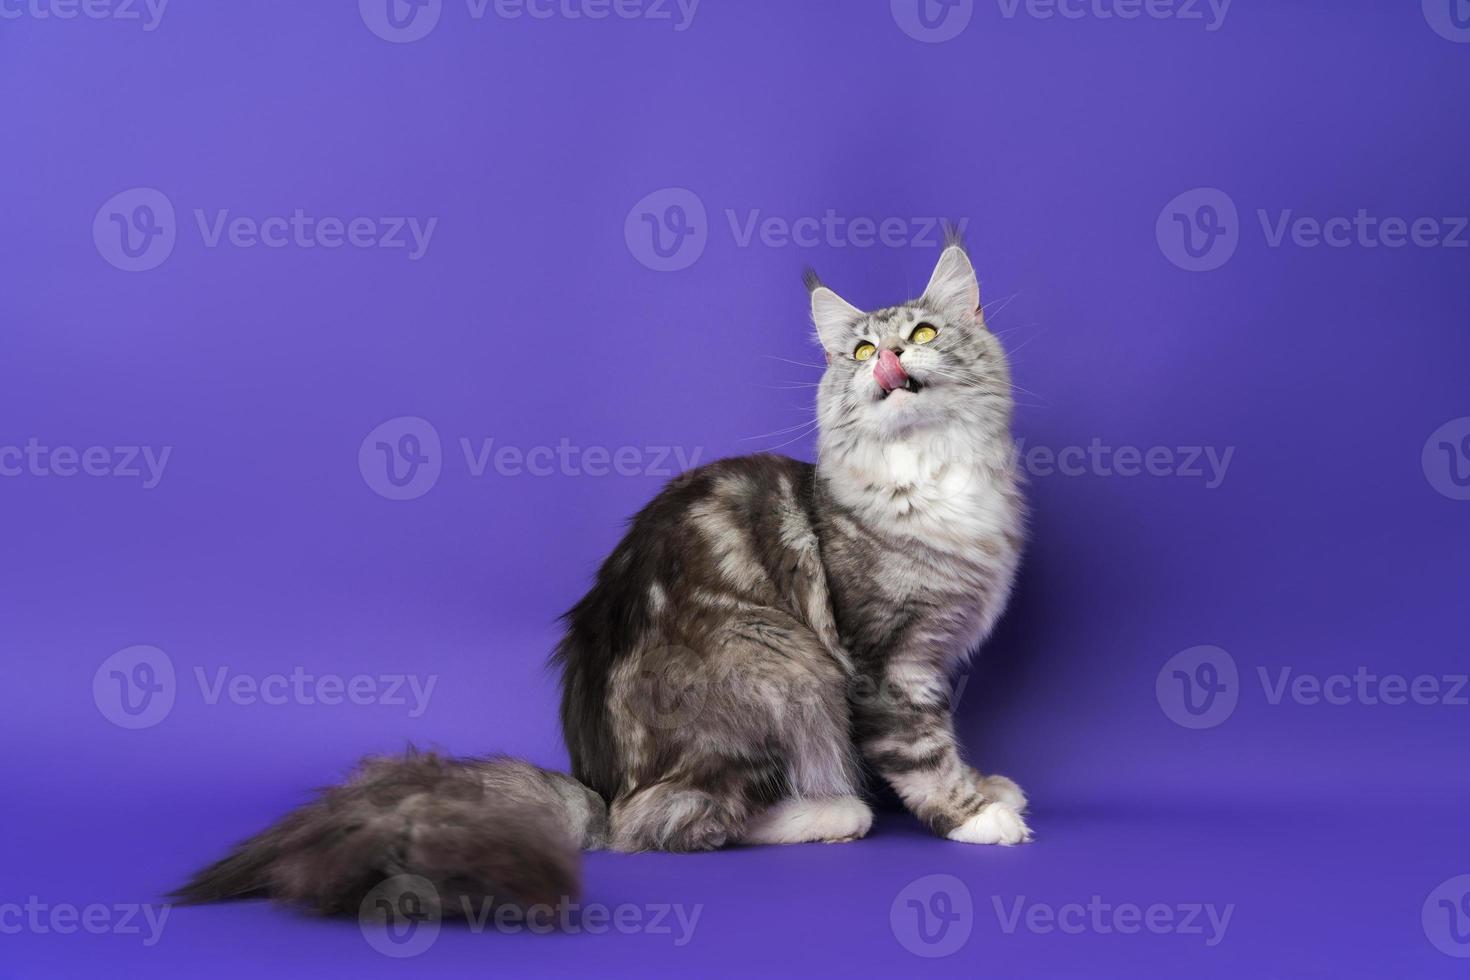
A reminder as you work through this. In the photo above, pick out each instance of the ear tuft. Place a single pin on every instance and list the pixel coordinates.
(811, 279)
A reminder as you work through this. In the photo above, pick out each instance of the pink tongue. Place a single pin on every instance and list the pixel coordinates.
(889, 372)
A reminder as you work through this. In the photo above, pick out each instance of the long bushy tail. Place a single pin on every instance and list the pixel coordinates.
(476, 831)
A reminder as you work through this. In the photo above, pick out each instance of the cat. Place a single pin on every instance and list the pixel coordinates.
(767, 632)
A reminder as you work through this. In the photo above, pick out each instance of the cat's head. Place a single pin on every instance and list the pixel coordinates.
(927, 363)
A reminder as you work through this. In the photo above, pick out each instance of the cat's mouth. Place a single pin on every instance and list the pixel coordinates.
(911, 386)
(891, 376)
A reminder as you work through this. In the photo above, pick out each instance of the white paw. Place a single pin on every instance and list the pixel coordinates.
(833, 819)
(1003, 790)
(998, 823)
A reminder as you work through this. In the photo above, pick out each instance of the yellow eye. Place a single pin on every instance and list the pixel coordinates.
(923, 333)
(864, 351)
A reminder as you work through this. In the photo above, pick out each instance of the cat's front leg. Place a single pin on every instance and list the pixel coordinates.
(906, 733)
(1002, 790)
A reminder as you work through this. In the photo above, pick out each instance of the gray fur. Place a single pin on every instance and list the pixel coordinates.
(766, 631)
(808, 618)
(496, 831)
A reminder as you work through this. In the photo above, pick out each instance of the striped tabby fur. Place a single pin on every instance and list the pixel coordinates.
(766, 633)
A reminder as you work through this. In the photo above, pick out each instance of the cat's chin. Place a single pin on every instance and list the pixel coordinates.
(903, 403)
(911, 386)
(903, 416)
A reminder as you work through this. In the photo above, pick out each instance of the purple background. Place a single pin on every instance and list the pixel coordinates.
(530, 320)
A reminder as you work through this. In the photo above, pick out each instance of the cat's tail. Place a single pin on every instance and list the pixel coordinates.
(461, 835)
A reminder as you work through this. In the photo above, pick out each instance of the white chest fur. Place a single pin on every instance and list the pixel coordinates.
(954, 502)
(949, 491)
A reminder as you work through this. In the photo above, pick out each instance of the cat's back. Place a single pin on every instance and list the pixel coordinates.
(751, 485)
(722, 531)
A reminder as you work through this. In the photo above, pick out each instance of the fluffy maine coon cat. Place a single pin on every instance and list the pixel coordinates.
(767, 631)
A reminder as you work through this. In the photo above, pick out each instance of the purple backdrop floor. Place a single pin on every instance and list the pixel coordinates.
(1183, 216)
(1110, 888)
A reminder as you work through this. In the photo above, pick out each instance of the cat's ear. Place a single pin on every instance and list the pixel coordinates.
(832, 315)
(953, 288)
